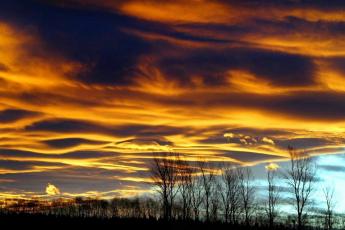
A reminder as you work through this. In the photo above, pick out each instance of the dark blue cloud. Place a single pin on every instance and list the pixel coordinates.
(245, 156)
(290, 4)
(78, 126)
(25, 165)
(110, 55)
(212, 65)
(337, 63)
(96, 39)
(12, 115)
(93, 38)
(70, 142)
(7, 153)
(160, 141)
(321, 106)
(303, 143)
(306, 105)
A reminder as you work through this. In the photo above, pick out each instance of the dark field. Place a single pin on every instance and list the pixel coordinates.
(37, 221)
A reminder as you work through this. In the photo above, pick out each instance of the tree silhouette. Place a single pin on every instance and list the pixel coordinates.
(328, 193)
(207, 183)
(300, 178)
(164, 173)
(229, 193)
(273, 196)
(247, 192)
(197, 196)
(185, 185)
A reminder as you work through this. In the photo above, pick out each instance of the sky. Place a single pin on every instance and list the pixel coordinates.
(90, 89)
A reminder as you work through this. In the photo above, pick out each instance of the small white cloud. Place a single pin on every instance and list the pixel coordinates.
(52, 190)
(272, 167)
(244, 141)
(229, 135)
(268, 140)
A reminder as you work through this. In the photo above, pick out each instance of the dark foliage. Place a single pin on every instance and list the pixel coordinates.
(40, 221)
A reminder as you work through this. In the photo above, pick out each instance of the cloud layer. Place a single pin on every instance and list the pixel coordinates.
(89, 89)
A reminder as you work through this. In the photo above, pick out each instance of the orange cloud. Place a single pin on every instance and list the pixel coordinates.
(204, 106)
(191, 11)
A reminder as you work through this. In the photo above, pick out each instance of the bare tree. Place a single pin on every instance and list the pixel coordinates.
(207, 179)
(185, 185)
(197, 196)
(229, 193)
(328, 193)
(273, 195)
(215, 205)
(300, 178)
(247, 192)
(164, 172)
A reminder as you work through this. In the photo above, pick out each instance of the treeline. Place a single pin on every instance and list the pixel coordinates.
(140, 208)
(196, 192)
(228, 194)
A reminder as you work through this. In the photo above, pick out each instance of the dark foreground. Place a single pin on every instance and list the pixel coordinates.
(37, 221)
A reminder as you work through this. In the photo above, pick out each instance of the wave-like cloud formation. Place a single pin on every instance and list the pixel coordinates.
(89, 89)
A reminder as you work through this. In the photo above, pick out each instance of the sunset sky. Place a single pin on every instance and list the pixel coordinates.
(90, 89)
